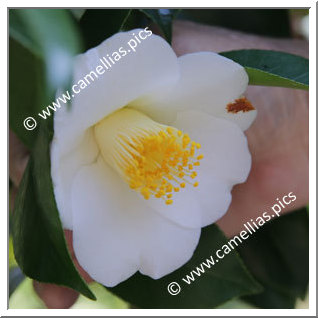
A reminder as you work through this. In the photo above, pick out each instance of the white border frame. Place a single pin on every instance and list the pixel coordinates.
(312, 162)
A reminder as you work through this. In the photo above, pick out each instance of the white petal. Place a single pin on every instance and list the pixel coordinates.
(227, 160)
(115, 233)
(63, 169)
(208, 83)
(185, 210)
(224, 146)
(152, 66)
(214, 197)
(166, 246)
(243, 120)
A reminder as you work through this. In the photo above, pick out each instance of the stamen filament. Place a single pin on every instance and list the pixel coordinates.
(154, 159)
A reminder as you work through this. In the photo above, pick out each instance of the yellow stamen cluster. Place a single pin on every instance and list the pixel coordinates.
(154, 159)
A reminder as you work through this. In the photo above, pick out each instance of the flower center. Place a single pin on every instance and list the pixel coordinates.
(154, 159)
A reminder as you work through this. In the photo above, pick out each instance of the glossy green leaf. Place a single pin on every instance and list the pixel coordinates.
(223, 281)
(271, 68)
(278, 256)
(163, 18)
(25, 90)
(38, 238)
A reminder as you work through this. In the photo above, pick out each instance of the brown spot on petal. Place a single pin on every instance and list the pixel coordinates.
(240, 104)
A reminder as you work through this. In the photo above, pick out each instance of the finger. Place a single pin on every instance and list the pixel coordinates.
(54, 296)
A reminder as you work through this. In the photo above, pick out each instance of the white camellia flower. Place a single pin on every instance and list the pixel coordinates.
(148, 155)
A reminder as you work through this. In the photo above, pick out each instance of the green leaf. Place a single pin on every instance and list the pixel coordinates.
(271, 68)
(278, 257)
(25, 90)
(42, 44)
(50, 34)
(163, 18)
(99, 24)
(78, 13)
(38, 238)
(223, 281)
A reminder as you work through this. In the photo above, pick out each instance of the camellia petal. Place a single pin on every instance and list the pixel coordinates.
(147, 155)
(214, 197)
(226, 162)
(64, 168)
(224, 145)
(115, 233)
(208, 82)
(152, 66)
(118, 86)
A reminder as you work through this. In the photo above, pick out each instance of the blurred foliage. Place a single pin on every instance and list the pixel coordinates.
(40, 62)
(24, 297)
(12, 261)
(16, 277)
(278, 257)
(270, 22)
(55, 43)
(163, 18)
(98, 24)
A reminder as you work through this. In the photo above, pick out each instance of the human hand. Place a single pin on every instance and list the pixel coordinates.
(278, 139)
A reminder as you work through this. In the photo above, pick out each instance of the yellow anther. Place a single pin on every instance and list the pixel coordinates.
(169, 188)
(155, 160)
(195, 184)
(169, 130)
(181, 175)
(162, 134)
